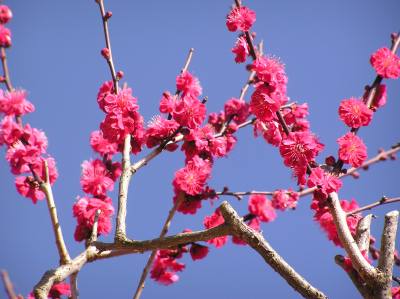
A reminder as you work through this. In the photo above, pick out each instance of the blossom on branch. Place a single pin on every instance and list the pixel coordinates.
(386, 63)
(240, 18)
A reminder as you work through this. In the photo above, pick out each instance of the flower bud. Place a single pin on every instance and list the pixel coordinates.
(106, 53)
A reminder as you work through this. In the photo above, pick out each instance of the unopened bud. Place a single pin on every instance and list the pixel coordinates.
(120, 75)
(108, 15)
(355, 174)
(105, 52)
(330, 161)
(394, 36)
(5, 14)
(2, 79)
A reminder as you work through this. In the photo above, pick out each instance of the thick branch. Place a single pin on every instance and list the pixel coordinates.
(366, 271)
(386, 258)
(271, 257)
(363, 233)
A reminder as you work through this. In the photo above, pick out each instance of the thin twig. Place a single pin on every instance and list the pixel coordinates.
(164, 231)
(110, 60)
(384, 200)
(73, 281)
(8, 286)
(7, 79)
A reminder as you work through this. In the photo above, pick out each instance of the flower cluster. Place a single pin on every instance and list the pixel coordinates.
(26, 146)
(122, 116)
(165, 266)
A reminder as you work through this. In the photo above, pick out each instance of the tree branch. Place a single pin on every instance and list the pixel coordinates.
(120, 232)
(366, 271)
(363, 233)
(386, 258)
(384, 200)
(233, 226)
(46, 188)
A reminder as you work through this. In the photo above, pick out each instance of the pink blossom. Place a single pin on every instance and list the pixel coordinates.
(263, 104)
(189, 205)
(189, 112)
(197, 142)
(236, 109)
(213, 221)
(189, 85)
(240, 18)
(28, 187)
(165, 266)
(271, 71)
(284, 199)
(15, 103)
(107, 88)
(325, 182)
(84, 211)
(5, 37)
(352, 149)
(5, 14)
(167, 103)
(270, 130)
(299, 148)
(198, 252)
(59, 289)
(20, 155)
(395, 292)
(116, 126)
(219, 146)
(95, 178)
(262, 208)
(101, 145)
(354, 113)
(192, 178)
(241, 50)
(386, 63)
(120, 103)
(159, 129)
(10, 131)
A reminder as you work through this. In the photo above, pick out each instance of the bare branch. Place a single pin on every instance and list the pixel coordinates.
(271, 257)
(120, 232)
(386, 258)
(364, 232)
(384, 200)
(73, 281)
(365, 270)
(62, 248)
(7, 79)
(110, 60)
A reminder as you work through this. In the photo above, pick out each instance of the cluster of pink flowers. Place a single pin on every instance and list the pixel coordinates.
(26, 146)
(165, 266)
(5, 33)
(122, 116)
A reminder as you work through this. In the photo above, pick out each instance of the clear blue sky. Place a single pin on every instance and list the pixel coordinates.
(55, 56)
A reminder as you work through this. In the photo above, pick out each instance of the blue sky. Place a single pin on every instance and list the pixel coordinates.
(326, 47)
